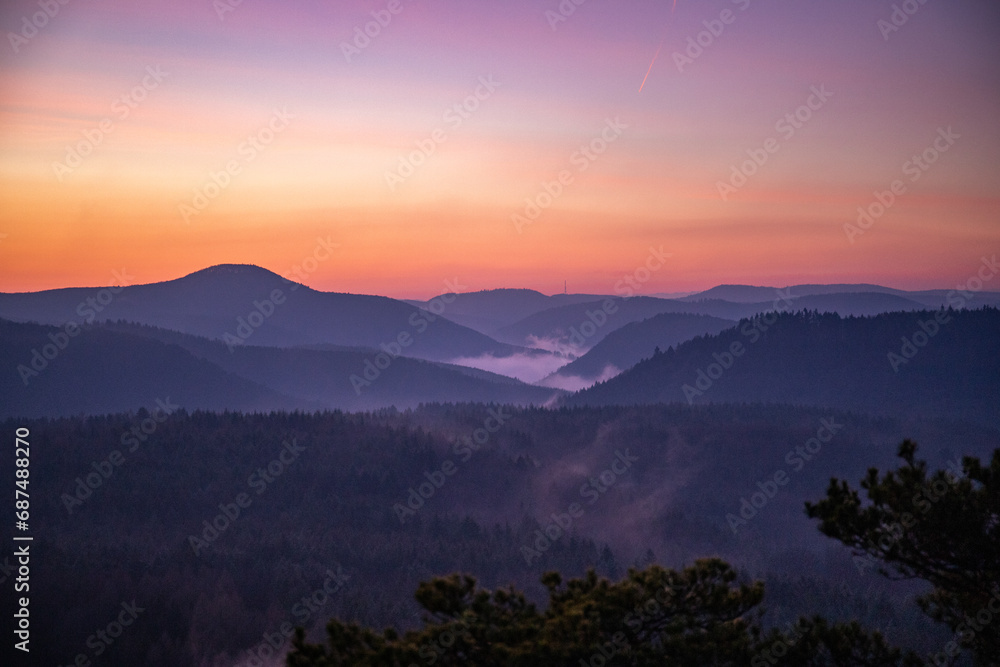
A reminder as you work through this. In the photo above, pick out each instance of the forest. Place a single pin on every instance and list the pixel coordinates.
(228, 530)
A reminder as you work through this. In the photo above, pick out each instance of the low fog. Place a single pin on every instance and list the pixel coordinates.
(576, 382)
(525, 366)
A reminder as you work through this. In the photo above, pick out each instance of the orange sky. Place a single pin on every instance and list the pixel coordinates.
(161, 100)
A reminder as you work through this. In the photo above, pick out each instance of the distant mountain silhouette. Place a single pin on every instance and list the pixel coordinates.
(623, 348)
(100, 371)
(237, 303)
(846, 304)
(557, 325)
(755, 294)
(752, 294)
(888, 364)
(351, 378)
(490, 310)
(116, 367)
(568, 325)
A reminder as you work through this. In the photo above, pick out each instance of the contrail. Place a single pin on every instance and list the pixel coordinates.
(657, 54)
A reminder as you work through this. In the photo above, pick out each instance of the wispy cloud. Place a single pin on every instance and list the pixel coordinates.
(526, 367)
(576, 382)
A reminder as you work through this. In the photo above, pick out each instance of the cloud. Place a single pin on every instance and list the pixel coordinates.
(576, 382)
(555, 345)
(526, 367)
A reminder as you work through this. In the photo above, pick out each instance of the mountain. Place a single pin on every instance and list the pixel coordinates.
(580, 326)
(847, 304)
(943, 363)
(752, 294)
(351, 378)
(488, 311)
(842, 303)
(755, 294)
(117, 367)
(627, 346)
(249, 305)
(46, 373)
(515, 315)
(336, 492)
(566, 327)
(945, 298)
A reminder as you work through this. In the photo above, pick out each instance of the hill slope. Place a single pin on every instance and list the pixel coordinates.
(116, 367)
(490, 310)
(627, 346)
(334, 504)
(100, 371)
(346, 379)
(250, 304)
(825, 360)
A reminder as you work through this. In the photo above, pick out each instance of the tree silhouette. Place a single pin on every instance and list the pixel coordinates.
(698, 616)
(942, 527)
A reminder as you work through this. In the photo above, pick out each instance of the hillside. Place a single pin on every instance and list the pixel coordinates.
(488, 311)
(243, 304)
(352, 378)
(341, 492)
(627, 346)
(116, 367)
(884, 364)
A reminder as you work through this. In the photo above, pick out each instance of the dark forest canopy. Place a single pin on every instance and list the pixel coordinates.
(118, 499)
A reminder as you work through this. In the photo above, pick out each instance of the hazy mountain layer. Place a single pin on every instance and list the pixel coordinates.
(930, 362)
(44, 371)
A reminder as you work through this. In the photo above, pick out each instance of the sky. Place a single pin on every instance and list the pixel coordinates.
(500, 144)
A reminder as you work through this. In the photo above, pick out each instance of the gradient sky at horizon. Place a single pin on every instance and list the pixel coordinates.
(323, 176)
